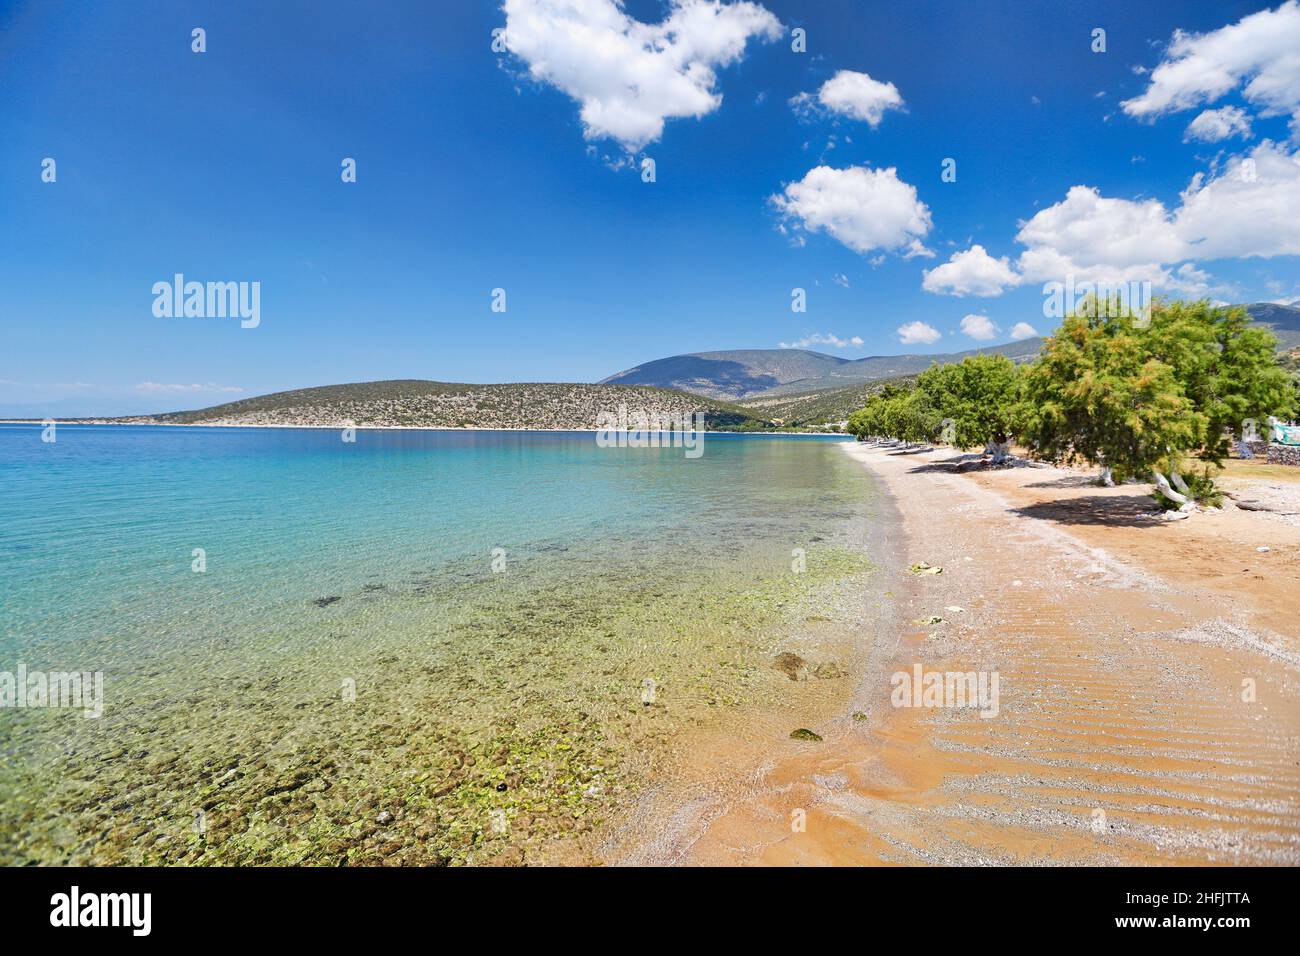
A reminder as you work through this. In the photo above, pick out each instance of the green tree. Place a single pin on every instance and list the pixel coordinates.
(903, 414)
(1227, 367)
(1141, 396)
(1096, 395)
(979, 397)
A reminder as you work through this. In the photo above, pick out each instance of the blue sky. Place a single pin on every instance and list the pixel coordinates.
(476, 171)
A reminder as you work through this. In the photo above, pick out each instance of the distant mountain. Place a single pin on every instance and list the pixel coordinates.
(1284, 320)
(746, 373)
(768, 373)
(425, 404)
(766, 387)
(730, 374)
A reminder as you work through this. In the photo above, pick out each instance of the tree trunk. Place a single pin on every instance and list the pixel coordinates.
(1107, 478)
(1182, 500)
(1178, 482)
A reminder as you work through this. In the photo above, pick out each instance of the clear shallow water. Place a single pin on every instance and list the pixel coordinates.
(619, 563)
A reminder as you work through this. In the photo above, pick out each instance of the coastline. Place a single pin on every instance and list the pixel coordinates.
(380, 428)
(353, 681)
(1150, 693)
(849, 622)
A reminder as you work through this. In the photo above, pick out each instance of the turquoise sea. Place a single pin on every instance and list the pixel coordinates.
(301, 636)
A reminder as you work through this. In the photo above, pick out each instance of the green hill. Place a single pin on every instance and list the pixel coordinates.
(748, 373)
(819, 407)
(418, 403)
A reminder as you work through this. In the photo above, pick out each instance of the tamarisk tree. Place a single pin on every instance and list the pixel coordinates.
(979, 397)
(902, 413)
(1227, 367)
(1139, 397)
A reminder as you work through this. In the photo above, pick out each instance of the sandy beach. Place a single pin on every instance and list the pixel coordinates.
(1149, 673)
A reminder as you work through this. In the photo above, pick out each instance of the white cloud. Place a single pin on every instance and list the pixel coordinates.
(1248, 207)
(972, 272)
(852, 94)
(1189, 281)
(979, 327)
(629, 76)
(1213, 126)
(1022, 330)
(1098, 239)
(156, 387)
(839, 278)
(1259, 53)
(1245, 206)
(863, 208)
(914, 333)
(829, 338)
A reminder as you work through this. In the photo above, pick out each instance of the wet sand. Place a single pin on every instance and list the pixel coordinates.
(1149, 707)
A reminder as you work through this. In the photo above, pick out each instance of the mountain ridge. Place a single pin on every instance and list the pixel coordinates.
(743, 374)
(731, 375)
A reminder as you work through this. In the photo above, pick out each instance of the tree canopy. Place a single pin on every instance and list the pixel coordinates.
(1140, 394)
(978, 396)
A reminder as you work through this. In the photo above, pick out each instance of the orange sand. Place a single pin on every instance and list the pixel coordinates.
(1125, 648)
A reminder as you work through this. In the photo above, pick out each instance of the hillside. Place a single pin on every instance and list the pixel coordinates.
(743, 374)
(418, 403)
(730, 374)
(1284, 320)
(786, 388)
(746, 373)
(878, 368)
(817, 408)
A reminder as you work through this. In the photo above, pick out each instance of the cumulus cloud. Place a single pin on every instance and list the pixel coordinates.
(829, 338)
(628, 76)
(918, 333)
(1098, 239)
(1257, 54)
(1213, 126)
(1022, 330)
(1249, 206)
(979, 327)
(865, 209)
(1245, 206)
(972, 272)
(851, 94)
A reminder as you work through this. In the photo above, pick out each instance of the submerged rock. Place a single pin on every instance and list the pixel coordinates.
(791, 665)
(803, 733)
(327, 601)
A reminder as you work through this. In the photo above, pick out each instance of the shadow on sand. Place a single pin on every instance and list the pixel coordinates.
(1132, 510)
(1116, 510)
